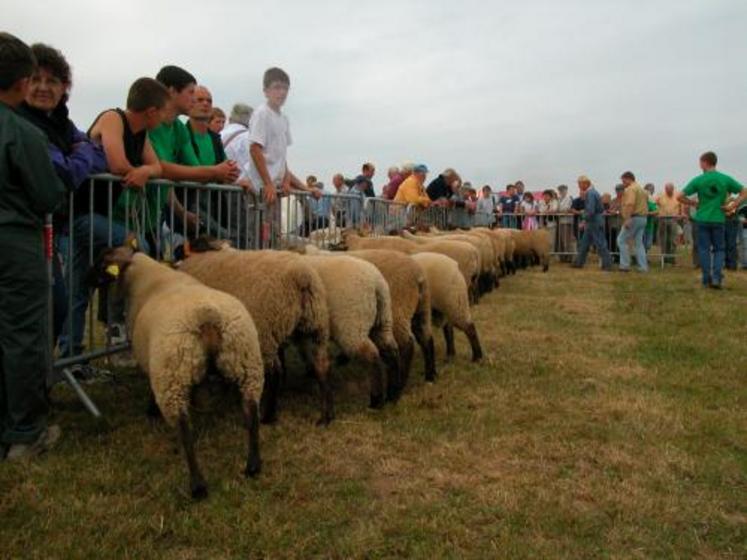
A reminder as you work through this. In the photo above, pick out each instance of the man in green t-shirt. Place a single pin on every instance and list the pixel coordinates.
(173, 146)
(713, 189)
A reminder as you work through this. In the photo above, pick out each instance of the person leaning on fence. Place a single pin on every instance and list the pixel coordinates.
(548, 208)
(389, 191)
(29, 189)
(634, 214)
(565, 225)
(100, 210)
(486, 206)
(591, 226)
(363, 183)
(72, 153)
(508, 205)
(444, 187)
(412, 190)
(173, 145)
(670, 217)
(713, 189)
(212, 206)
(652, 221)
(217, 120)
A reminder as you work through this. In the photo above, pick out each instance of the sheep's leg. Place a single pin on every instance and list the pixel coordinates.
(370, 354)
(317, 362)
(269, 400)
(197, 484)
(406, 351)
(153, 411)
(449, 338)
(251, 418)
(428, 348)
(474, 341)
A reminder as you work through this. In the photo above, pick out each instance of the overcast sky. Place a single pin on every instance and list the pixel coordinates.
(536, 90)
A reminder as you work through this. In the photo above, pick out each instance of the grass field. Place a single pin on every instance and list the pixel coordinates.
(608, 420)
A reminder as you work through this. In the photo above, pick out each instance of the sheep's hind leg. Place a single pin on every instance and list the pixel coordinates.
(474, 341)
(370, 354)
(251, 418)
(317, 362)
(269, 399)
(428, 348)
(449, 338)
(197, 484)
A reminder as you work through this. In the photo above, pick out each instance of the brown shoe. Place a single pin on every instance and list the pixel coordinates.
(46, 441)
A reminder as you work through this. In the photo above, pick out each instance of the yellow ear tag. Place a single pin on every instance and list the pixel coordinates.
(112, 270)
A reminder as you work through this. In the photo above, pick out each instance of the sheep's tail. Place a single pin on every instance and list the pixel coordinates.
(314, 312)
(384, 319)
(228, 338)
(424, 305)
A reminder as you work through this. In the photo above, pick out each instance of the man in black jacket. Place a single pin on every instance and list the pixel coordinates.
(29, 189)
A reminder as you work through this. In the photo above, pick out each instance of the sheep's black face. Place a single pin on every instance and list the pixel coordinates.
(110, 266)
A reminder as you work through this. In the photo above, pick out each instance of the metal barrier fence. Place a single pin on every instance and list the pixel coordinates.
(164, 214)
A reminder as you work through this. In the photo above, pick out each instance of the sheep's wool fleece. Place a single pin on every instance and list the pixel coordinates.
(168, 314)
(281, 292)
(358, 299)
(449, 294)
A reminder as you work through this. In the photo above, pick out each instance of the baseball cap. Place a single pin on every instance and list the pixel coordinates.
(421, 168)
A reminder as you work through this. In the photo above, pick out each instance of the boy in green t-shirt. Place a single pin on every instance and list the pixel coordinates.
(29, 189)
(713, 189)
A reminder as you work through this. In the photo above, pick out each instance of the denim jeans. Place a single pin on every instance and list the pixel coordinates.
(82, 244)
(634, 231)
(711, 249)
(593, 233)
(744, 247)
(731, 233)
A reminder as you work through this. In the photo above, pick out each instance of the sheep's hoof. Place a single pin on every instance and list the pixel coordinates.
(271, 418)
(324, 421)
(545, 268)
(430, 378)
(377, 401)
(393, 394)
(199, 491)
(253, 468)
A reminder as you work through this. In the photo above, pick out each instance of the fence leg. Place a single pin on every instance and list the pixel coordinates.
(82, 395)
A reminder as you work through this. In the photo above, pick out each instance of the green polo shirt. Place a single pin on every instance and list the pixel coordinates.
(712, 188)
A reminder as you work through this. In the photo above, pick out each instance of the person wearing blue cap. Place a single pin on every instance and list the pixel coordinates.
(412, 189)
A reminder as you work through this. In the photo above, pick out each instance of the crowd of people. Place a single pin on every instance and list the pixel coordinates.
(44, 157)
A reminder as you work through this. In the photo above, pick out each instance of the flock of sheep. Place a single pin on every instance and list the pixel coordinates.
(232, 312)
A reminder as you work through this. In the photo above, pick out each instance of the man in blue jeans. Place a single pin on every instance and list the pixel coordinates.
(713, 189)
(634, 212)
(592, 226)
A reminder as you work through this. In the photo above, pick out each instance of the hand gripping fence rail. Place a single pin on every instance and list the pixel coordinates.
(103, 213)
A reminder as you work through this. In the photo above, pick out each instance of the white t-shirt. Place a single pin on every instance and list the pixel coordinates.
(272, 130)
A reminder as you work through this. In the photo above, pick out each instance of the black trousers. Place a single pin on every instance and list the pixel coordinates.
(24, 336)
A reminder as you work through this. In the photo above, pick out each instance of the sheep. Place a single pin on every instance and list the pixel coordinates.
(465, 255)
(179, 329)
(286, 298)
(411, 304)
(499, 248)
(449, 300)
(487, 277)
(360, 317)
(532, 246)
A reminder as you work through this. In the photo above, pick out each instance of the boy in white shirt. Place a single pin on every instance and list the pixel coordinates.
(269, 138)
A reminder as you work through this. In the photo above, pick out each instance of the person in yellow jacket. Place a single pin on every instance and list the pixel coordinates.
(412, 191)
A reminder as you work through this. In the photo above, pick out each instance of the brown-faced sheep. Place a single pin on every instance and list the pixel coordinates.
(179, 329)
(465, 255)
(449, 300)
(360, 315)
(411, 304)
(287, 300)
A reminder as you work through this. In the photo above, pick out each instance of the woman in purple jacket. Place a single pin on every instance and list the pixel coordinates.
(73, 155)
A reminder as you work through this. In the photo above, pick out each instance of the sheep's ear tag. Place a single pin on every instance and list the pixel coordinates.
(113, 270)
